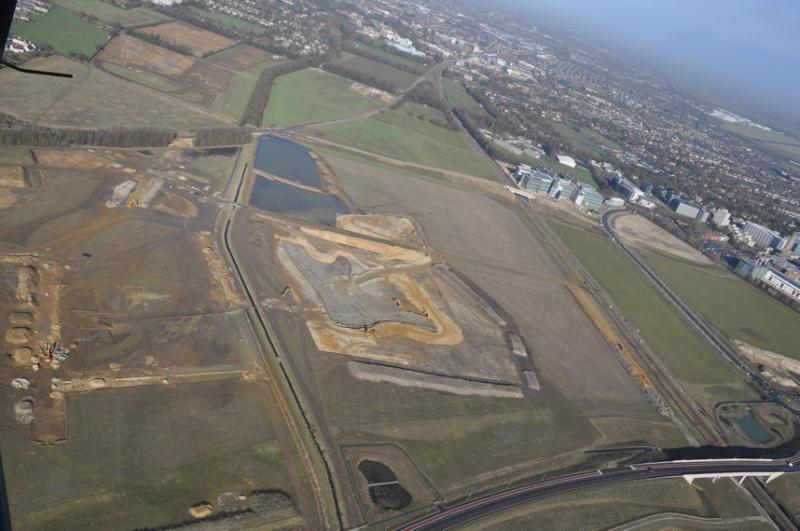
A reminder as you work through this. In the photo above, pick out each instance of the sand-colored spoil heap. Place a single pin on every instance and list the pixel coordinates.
(390, 304)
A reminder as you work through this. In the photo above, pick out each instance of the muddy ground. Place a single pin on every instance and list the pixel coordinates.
(121, 326)
(399, 393)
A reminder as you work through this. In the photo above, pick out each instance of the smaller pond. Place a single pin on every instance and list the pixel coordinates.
(753, 428)
(285, 199)
(287, 160)
(384, 489)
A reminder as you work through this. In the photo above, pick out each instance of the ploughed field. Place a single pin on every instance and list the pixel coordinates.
(220, 82)
(92, 99)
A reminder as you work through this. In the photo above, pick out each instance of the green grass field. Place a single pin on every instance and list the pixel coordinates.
(425, 121)
(399, 135)
(613, 505)
(458, 97)
(442, 432)
(787, 490)
(148, 79)
(774, 140)
(216, 165)
(63, 31)
(310, 96)
(584, 139)
(160, 448)
(15, 155)
(738, 309)
(233, 101)
(228, 20)
(658, 322)
(109, 14)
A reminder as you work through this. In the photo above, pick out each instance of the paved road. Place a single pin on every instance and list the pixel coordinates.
(661, 521)
(713, 336)
(471, 510)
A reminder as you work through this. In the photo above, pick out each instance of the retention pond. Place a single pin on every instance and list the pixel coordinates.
(287, 160)
(290, 200)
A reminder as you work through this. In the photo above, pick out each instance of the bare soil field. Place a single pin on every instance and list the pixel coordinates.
(131, 52)
(324, 292)
(641, 232)
(379, 302)
(155, 356)
(203, 82)
(398, 78)
(162, 315)
(472, 232)
(241, 57)
(93, 98)
(199, 41)
(13, 177)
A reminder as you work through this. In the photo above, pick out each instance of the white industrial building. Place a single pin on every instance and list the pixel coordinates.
(758, 272)
(721, 218)
(566, 160)
(763, 236)
(627, 189)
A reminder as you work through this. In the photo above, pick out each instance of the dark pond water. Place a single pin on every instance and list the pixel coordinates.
(384, 490)
(286, 199)
(288, 160)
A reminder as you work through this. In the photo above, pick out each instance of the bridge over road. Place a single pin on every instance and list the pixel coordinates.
(687, 469)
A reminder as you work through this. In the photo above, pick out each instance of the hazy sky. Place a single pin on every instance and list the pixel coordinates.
(749, 47)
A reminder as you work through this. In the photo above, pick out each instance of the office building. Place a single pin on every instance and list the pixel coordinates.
(721, 218)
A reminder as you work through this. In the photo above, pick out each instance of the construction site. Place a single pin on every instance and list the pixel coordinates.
(124, 332)
(398, 313)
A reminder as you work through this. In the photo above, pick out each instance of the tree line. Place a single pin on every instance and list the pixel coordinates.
(184, 13)
(152, 38)
(361, 77)
(464, 116)
(34, 135)
(425, 93)
(221, 136)
(259, 99)
(372, 56)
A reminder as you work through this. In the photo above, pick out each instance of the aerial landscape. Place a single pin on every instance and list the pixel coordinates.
(360, 264)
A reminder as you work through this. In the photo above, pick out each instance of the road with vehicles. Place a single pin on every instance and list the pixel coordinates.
(473, 509)
(713, 336)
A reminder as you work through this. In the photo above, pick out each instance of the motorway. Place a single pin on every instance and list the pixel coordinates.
(713, 336)
(471, 510)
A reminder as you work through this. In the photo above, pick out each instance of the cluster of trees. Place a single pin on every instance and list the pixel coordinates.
(260, 96)
(464, 117)
(184, 13)
(497, 121)
(425, 93)
(158, 41)
(221, 136)
(361, 77)
(363, 51)
(34, 135)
